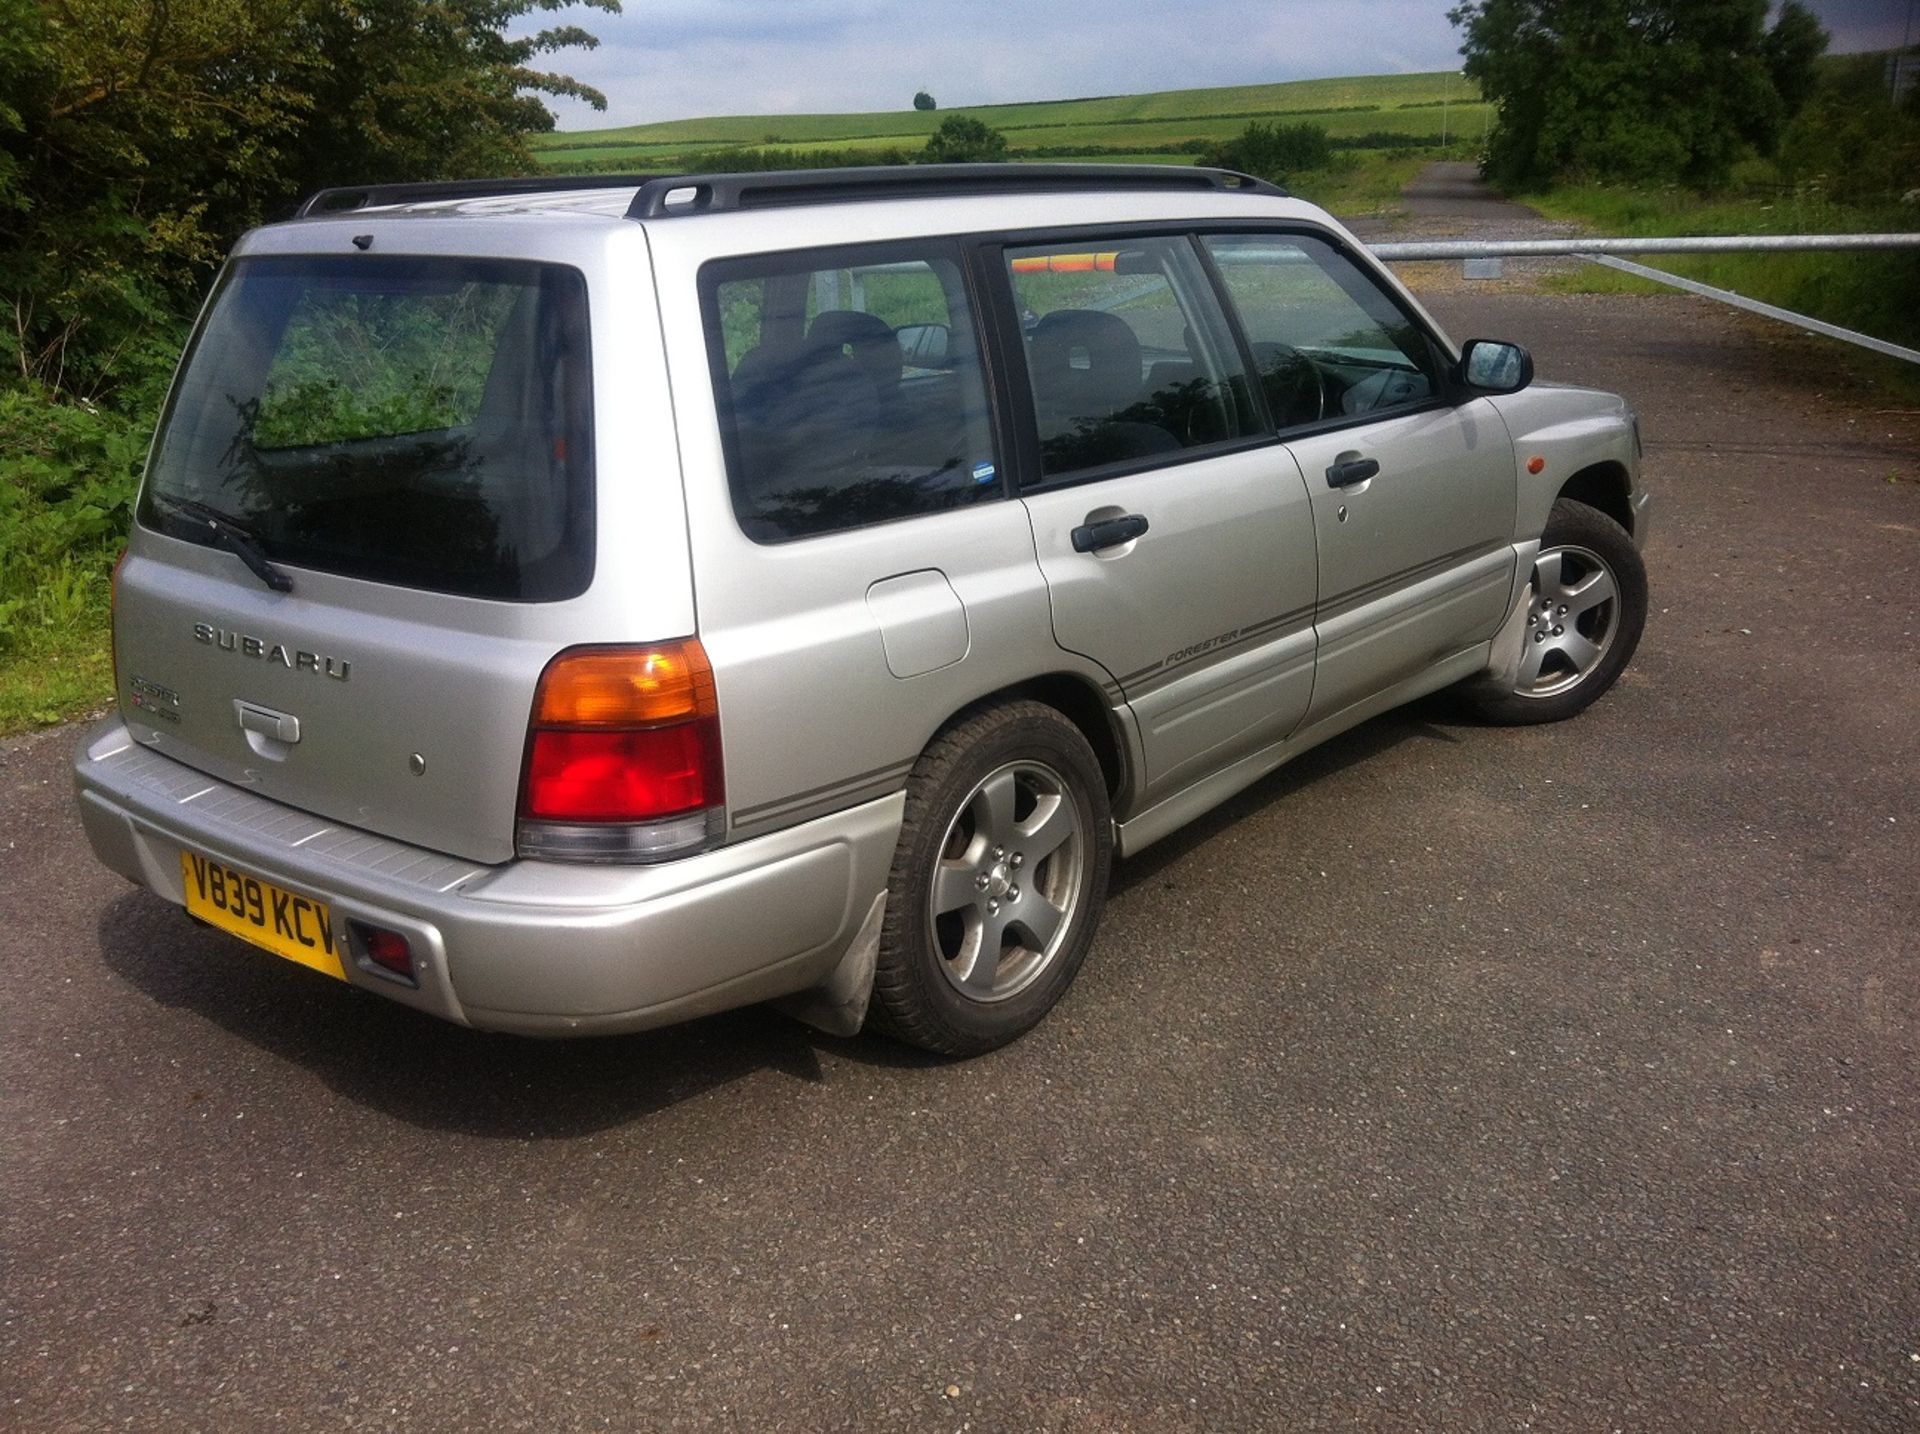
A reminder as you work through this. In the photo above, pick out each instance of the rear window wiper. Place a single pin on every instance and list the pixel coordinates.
(232, 535)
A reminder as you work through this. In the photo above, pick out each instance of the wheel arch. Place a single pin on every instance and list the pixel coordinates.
(1604, 486)
(1081, 703)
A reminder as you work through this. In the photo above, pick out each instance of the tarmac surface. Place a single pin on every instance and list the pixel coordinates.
(1453, 1077)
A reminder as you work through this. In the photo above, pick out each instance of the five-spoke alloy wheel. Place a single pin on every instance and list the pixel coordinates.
(997, 883)
(1010, 874)
(1584, 616)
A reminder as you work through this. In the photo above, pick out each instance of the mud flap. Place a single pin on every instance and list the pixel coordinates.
(1510, 642)
(838, 1005)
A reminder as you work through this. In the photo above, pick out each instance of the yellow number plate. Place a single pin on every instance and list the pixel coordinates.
(283, 922)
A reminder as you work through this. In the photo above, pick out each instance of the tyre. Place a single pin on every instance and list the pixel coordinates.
(1584, 617)
(997, 883)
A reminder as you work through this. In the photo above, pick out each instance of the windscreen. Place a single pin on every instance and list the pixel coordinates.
(424, 422)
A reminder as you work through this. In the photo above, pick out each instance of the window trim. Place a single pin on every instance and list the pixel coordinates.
(955, 249)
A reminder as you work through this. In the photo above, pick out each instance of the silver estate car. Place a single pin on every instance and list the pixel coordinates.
(571, 606)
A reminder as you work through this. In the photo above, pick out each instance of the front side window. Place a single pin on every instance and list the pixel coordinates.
(1127, 354)
(1327, 343)
(850, 388)
(425, 422)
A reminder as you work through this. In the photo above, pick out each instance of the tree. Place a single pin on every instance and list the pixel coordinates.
(924, 101)
(139, 137)
(428, 89)
(962, 139)
(1791, 47)
(1633, 89)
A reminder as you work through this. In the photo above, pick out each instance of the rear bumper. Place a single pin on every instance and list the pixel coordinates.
(540, 948)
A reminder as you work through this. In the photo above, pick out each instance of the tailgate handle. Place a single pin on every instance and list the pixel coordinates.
(265, 722)
(1108, 533)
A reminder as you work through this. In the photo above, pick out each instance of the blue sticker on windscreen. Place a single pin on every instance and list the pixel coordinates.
(983, 472)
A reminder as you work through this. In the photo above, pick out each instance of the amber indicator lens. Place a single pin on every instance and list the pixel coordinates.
(626, 687)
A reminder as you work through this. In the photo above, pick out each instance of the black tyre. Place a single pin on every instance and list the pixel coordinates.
(998, 881)
(1584, 618)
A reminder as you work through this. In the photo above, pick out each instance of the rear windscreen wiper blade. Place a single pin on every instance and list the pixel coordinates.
(235, 537)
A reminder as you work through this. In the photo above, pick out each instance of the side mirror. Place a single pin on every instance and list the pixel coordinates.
(924, 345)
(1490, 366)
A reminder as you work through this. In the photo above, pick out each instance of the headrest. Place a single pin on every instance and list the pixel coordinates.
(1085, 362)
(867, 338)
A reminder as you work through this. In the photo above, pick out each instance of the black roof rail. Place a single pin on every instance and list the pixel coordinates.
(711, 193)
(662, 196)
(344, 199)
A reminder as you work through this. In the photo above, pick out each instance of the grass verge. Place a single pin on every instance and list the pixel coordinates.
(55, 677)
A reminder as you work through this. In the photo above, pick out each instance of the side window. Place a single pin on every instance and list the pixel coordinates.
(1327, 342)
(850, 388)
(1127, 353)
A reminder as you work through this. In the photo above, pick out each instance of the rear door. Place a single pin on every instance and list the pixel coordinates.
(862, 573)
(1412, 496)
(1177, 545)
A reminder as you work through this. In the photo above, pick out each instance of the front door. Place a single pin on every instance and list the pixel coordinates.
(1412, 497)
(1178, 549)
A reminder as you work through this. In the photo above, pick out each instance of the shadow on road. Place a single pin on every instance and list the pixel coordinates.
(1430, 719)
(444, 1077)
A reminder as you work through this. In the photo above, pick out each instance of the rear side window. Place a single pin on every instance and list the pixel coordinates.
(418, 421)
(1128, 355)
(850, 388)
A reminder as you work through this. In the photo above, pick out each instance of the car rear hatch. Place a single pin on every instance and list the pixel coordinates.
(369, 513)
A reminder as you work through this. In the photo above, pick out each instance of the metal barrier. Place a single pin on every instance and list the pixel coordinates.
(1483, 258)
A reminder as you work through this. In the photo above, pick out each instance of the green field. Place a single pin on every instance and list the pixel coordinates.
(1108, 127)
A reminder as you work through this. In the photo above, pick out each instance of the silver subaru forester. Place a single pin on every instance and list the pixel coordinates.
(572, 606)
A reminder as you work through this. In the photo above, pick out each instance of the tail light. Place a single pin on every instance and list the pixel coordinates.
(623, 756)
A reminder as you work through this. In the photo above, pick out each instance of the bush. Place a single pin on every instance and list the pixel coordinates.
(1850, 140)
(68, 475)
(961, 139)
(1274, 151)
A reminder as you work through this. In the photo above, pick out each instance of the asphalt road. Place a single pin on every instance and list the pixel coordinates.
(1451, 1078)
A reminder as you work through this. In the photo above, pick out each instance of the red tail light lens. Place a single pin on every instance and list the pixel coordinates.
(621, 776)
(623, 756)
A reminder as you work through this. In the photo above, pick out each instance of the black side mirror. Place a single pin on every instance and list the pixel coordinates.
(1490, 366)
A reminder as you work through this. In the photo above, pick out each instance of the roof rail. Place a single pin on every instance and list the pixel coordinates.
(710, 193)
(347, 198)
(662, 196)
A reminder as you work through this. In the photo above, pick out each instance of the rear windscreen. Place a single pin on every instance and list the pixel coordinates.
(418, 421)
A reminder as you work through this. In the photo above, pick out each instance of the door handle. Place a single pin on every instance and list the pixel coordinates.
(1108, 532)
(1351, 471)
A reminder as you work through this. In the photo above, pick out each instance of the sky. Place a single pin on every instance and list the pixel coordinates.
(678, 59)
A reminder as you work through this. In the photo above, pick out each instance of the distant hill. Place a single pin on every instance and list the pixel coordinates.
(1167, 124)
